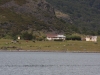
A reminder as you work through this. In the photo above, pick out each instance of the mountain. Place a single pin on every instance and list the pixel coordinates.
(58, 16)
(18, 16)
(83, 14)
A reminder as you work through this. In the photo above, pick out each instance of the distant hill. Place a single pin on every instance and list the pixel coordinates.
(58, 16)
(18, 16)
(84, 14)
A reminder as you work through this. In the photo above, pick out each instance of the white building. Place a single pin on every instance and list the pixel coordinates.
(91, 38)
(55, 37)
(18, 37)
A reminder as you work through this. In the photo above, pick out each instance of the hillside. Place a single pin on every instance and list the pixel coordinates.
(84, 14)
(17, 17)
(40, 16)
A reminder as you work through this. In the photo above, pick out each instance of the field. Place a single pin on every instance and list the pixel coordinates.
(54, 46)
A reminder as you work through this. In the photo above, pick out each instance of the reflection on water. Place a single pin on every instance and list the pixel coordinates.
(49, 63)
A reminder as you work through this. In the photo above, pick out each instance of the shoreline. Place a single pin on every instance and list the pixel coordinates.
(50, 46)
(49, 51)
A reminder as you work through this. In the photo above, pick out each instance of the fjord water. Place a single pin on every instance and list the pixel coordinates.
(49, 63)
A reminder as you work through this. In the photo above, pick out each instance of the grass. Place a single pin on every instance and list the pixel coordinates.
(69, 46)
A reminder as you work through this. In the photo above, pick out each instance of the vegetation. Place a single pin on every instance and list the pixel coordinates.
(14, 21)
(22, 16)
(59, 46)
(84, 14)
(21, 2)
(27, 36)
(73, 37)
(3, 1)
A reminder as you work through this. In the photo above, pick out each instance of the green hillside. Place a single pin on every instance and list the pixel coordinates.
(59, 16)
(29, 16)
(85, 14)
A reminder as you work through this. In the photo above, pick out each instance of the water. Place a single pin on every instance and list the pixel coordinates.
(49, 63)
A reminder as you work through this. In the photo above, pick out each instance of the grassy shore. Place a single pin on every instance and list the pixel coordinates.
(52, 46)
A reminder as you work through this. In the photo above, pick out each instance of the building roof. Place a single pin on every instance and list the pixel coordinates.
(55, 35)
(61, 36)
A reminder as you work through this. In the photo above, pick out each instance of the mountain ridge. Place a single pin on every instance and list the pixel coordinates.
(85, 14)
(17, 17)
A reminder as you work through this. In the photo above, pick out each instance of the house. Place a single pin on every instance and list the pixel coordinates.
(18, 37)
(55, 37)
(91, 38)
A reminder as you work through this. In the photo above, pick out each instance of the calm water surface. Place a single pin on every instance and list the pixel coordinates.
(49, 63)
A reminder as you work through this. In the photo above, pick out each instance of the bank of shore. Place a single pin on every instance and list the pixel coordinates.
(6, 45)
(49, 51)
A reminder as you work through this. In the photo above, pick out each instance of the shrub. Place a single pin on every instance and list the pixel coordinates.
(58, 39)
(27, 36)
(76, 38)
(73, 37)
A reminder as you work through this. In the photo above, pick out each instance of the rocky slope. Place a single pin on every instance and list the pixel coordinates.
(84, 14)
(31, 15)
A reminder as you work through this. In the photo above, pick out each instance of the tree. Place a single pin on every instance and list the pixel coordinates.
(27, 36)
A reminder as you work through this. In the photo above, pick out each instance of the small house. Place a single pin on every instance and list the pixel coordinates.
(55, 37)
(18, 37)
(91, 38)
